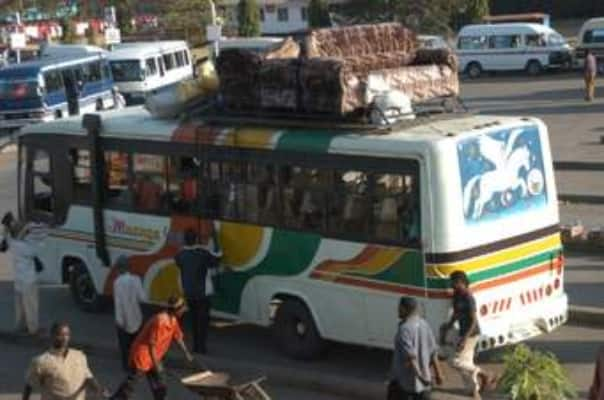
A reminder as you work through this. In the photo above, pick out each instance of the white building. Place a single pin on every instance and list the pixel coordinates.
(277, 16)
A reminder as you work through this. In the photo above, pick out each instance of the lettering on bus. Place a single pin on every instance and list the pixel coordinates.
(121, 227)
(502, 173)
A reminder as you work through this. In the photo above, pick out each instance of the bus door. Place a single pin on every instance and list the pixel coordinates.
(72, 90)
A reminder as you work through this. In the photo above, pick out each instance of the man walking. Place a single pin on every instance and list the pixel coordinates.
(128, 293)
(149, 349)
(194, 261)
(61, 372)
(415, 353)
(590, 70)
(25, 276)
(464, 313)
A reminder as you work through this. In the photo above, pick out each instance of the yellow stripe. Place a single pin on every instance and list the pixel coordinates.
(497, 258)
(380, 261)
(252, 138)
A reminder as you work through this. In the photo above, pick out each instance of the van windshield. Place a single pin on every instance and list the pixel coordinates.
(127, 71)
(555, 39)
(14, 90)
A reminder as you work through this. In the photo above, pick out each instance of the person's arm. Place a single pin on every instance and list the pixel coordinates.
(407, 345)
(142, 296)
(153, 341)
(185, 350)
(437, 369)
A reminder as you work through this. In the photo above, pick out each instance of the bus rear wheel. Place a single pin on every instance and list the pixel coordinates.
(83, 290)
(296, 331)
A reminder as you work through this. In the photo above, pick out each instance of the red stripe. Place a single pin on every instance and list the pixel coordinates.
(522, 298)
(529, 297)
(494, 309)
(502, 306)
(509, 304)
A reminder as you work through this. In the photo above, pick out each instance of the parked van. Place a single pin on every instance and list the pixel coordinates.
(69, 50)
(591, 37)
(510, 47)
(141, 67)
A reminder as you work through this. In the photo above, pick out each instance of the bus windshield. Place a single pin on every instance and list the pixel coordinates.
(127, 71)
(12, 90)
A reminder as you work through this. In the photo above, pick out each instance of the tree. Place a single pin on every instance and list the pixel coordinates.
(191, 16)
(123, 13)
(69, 31)
(476, 10)
(318, 14)
(248, 16)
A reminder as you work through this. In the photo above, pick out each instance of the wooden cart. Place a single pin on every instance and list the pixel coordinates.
(218, 386)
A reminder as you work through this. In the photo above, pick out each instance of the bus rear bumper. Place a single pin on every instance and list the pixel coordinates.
(524, 324)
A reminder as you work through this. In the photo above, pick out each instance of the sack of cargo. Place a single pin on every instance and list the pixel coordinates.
(279, 84)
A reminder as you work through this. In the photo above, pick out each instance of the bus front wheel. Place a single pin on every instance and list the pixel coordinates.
(83, 290)
(296, 331)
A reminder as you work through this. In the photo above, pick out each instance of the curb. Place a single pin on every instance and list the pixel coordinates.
(585, 315)
(328, 383)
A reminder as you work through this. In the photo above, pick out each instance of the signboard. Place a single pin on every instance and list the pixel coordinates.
(213, 32)
(112, 36)
(18, 41)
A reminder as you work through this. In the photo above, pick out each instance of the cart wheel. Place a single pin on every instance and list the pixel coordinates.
(296, 331)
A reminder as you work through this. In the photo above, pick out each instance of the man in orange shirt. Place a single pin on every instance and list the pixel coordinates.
(150, 347)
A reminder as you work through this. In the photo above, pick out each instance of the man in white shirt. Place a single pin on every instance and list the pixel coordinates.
(22, 252)
(128, 293)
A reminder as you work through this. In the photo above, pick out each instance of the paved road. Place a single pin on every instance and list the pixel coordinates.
(15, 358)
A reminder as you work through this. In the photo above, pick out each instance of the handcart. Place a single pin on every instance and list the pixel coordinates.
(218, 386)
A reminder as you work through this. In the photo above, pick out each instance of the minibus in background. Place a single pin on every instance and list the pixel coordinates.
(511, 47)
(53, 88)
(141, 67)
(591, 37)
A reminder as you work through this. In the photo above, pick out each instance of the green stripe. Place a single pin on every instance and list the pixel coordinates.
(443, 283)
(306, 140)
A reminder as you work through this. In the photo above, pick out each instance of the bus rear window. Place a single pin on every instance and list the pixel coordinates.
(12, 90)
(127, 71)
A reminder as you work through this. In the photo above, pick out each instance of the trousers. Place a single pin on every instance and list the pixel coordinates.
(463, 362)
(124, 340)
(590, 87)
(396, 392)
(156, 382)
(199, 315)
(26, 308)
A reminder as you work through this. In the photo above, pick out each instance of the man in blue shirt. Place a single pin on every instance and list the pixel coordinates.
(415, 352)
(194, 261)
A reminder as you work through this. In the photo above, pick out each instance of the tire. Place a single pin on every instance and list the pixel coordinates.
(296, 332)
(58, 114)
(533, 68)
(474, 70)
(82, 288)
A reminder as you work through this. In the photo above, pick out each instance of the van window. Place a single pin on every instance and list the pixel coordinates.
(53, 81)
(535, 41)
(168, 61)
(180, 60)
(504, 41)
(126, 71)
(186, 56)
(594, 36)
(472, 42)
(151, 66)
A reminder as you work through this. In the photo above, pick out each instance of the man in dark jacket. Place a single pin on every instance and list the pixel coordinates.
(194, 261)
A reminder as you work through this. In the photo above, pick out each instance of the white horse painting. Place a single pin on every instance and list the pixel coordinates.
(503, 179)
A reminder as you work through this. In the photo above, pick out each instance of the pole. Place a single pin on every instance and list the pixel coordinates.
(213, 15)
(18, 18)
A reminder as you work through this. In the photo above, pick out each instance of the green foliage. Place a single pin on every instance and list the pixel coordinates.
(475, 10)
(189, 15)
(124, 11)
(318, 14)
(248, 16)
(534, 375)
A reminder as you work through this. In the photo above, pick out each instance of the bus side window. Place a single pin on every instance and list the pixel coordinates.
(150, 186)
(348, 203)
(82, 182)
(168, 61)
(180, 60)
(117, 188)
(160, 63)
(186, 55)
(94, 71)
(183, 184)
(312, 185)
(42, 182)
(53, 81)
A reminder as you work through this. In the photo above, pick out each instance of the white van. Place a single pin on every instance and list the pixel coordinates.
(141, 67)
(511, 47)
(591, 37)
(69, 50)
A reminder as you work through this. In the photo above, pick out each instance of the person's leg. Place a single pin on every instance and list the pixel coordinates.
(126, 388)
(193, 315)
(157, 385)
(122, 340)
(30, 307)
(463, 362)
(204, 323)
(19, 312)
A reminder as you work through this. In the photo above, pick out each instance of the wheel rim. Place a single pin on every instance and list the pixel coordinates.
(474, 71)
(300, 328)
(85, 288)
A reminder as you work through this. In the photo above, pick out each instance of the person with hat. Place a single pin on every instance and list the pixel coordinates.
(128, 294)
(150, 347)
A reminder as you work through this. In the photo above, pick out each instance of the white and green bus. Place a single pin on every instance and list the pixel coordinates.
(323, 225)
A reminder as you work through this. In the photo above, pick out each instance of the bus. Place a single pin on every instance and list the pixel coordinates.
(323, 225)
(141, 67)
(53, 88)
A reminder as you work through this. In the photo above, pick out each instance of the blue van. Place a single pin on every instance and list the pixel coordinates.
(49, 89)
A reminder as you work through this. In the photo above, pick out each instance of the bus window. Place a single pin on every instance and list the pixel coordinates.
(180, 60)
(94, 72)
(42, 182)
(162, 69)
(150, 182)
(349, 203)
(268, 200)
(151, 66)
(117, 191)
(312, 185)
(82, 183)
(183, 184)
(53, 81)
(389, 199)
(186, 56)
